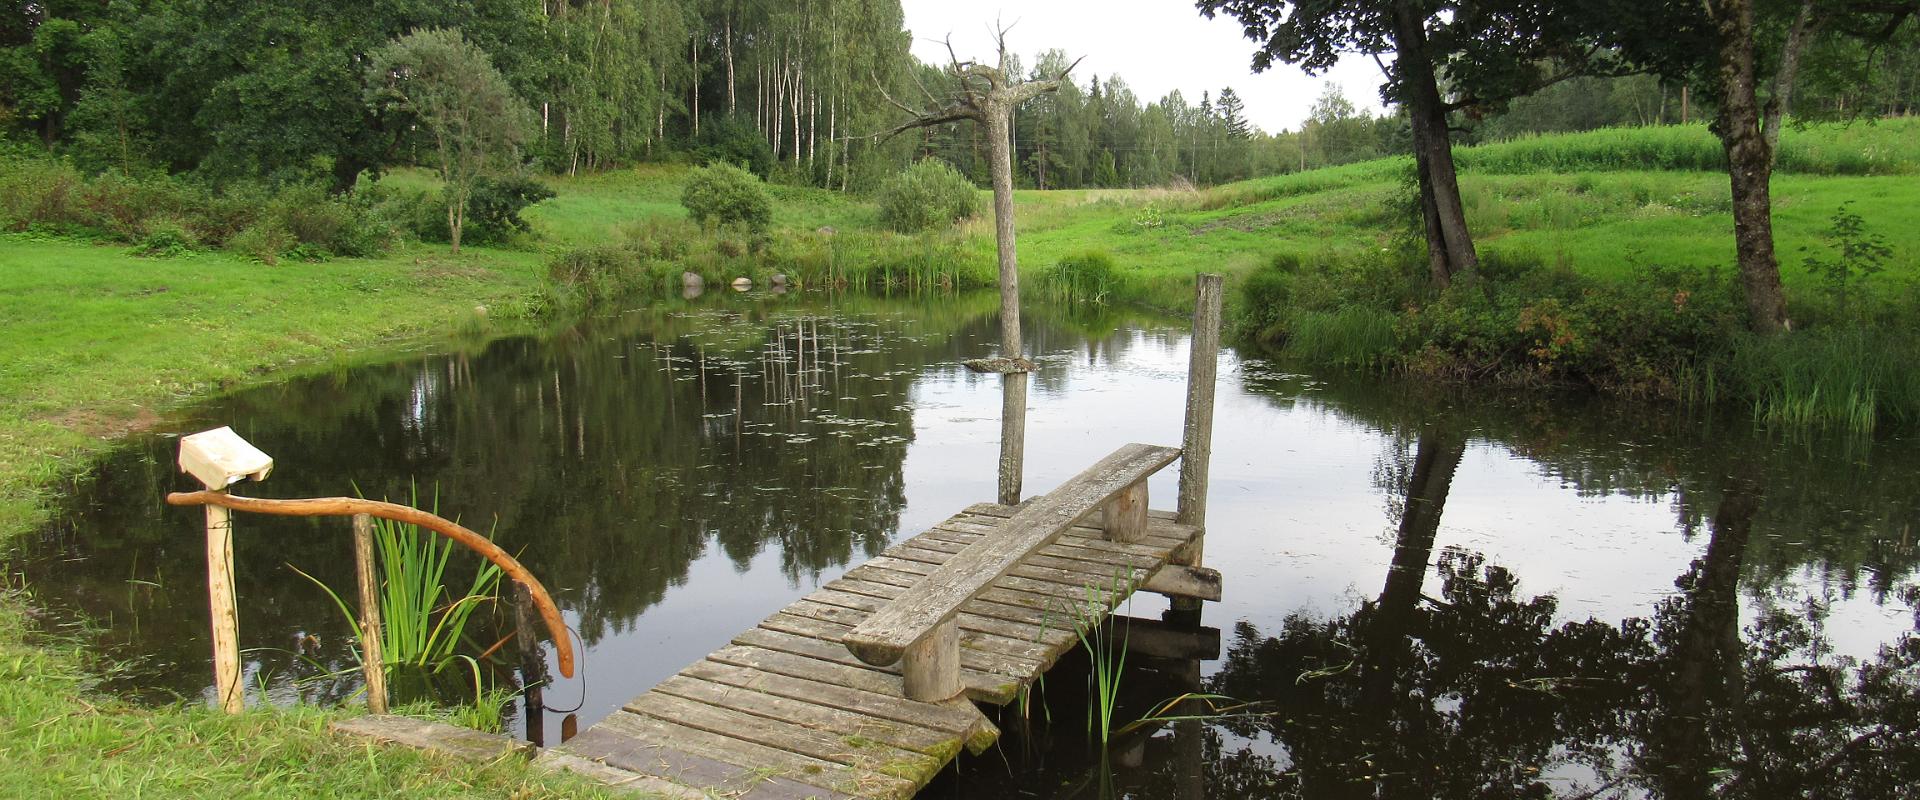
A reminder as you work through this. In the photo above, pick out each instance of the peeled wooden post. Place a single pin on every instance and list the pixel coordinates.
(373, 661)
(931, 666)
(1196, 445)
(225, 617)
(220, 458)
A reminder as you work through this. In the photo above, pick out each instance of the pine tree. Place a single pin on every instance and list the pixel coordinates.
(1233, 116)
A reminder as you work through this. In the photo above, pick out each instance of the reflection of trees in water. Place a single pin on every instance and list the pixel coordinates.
(1479, 693)
(1841, 508)
(609, 457)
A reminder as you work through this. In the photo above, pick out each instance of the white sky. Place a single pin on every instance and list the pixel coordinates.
(1156, 46)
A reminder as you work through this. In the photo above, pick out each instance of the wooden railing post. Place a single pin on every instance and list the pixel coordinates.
(373, 662)
(1196, 445)
(217, 459)
(931, 666)
(1125, 518)
(225, 617)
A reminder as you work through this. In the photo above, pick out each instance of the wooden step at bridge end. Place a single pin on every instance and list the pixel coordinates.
(617, 779)
(1179, 580)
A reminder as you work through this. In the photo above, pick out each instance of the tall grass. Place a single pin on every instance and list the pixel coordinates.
(1884, 147)
(1090, 277)
(1355, 336)
(1849, 378)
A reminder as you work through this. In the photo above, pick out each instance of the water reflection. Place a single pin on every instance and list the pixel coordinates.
(1706, 608)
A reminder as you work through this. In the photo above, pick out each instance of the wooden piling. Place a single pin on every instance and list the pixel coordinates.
(1125, 519)
(1013, 435)
(1196, 446)
(931, 666)
(373, 661)
(225, 616)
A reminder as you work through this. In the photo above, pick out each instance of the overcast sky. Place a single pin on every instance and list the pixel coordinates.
(1155, 45)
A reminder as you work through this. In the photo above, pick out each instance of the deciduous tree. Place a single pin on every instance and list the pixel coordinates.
(452, 91)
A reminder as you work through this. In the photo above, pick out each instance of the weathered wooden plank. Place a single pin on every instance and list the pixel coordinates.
(975, 654)
(983, 686)
(951, 721)
(623, 781)
(1027, 624)
(806, 713)
(874, 765)
(1012, 589)
(988, 605)
(437, 737)
(994, 635)
(1056, 584)
(1035, 566)
(885, 635)
(1058, 602)
(1099, 566)
(965, 529)
(726, 766)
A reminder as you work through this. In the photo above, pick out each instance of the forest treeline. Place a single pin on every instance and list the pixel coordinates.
(234, 90)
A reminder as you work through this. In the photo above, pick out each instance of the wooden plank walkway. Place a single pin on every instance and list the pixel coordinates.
(787, 712)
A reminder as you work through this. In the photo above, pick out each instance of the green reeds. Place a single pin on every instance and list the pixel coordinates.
(1349, 337)
(1106, 651)
(1088, 277)
(422, 624)
(1849, 379)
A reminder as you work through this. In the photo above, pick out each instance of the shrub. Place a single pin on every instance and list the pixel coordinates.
(264, 241)
(928, 195)
(36, 191)
(594, 275)
(493, 211)
(165, 237)
(724, 194)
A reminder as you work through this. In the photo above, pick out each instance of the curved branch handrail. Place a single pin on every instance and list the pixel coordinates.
(349, 506)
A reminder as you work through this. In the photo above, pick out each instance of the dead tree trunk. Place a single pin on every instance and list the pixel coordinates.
(987, 95)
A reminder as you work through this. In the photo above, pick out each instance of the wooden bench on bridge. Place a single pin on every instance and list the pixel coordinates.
(862, 688)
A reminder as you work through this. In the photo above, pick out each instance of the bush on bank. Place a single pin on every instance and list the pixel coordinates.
(1667, 334)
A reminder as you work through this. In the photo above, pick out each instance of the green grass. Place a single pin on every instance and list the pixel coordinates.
(1601, 202)
(98, 343)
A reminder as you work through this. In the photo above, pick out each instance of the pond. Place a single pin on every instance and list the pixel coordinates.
(1427, 593)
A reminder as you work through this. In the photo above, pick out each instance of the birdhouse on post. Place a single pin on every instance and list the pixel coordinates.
(218, 459)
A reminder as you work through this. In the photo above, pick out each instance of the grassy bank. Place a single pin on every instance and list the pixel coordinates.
(1608, 265)
(98, 344)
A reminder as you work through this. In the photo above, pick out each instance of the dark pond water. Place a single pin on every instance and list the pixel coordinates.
(1427, 594)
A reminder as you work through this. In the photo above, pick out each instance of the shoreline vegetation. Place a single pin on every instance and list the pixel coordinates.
(1607, 267)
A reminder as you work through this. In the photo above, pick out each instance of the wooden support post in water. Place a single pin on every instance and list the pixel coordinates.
(225, 617)
(931, 666)
(533, 663)
(1125, 519)
(373, 661)
(1196, 445)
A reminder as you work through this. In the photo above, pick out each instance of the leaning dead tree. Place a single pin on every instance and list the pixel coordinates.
(987, 95)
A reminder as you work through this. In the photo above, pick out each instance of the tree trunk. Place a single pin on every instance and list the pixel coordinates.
(1783, 77)
(1013, 385)
(1449, 246)
(455, 205)
(1749, 166)
(729, 39)
(694, 61)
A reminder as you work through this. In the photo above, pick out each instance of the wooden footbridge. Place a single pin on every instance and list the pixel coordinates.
(862, 688)
(866, 688)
